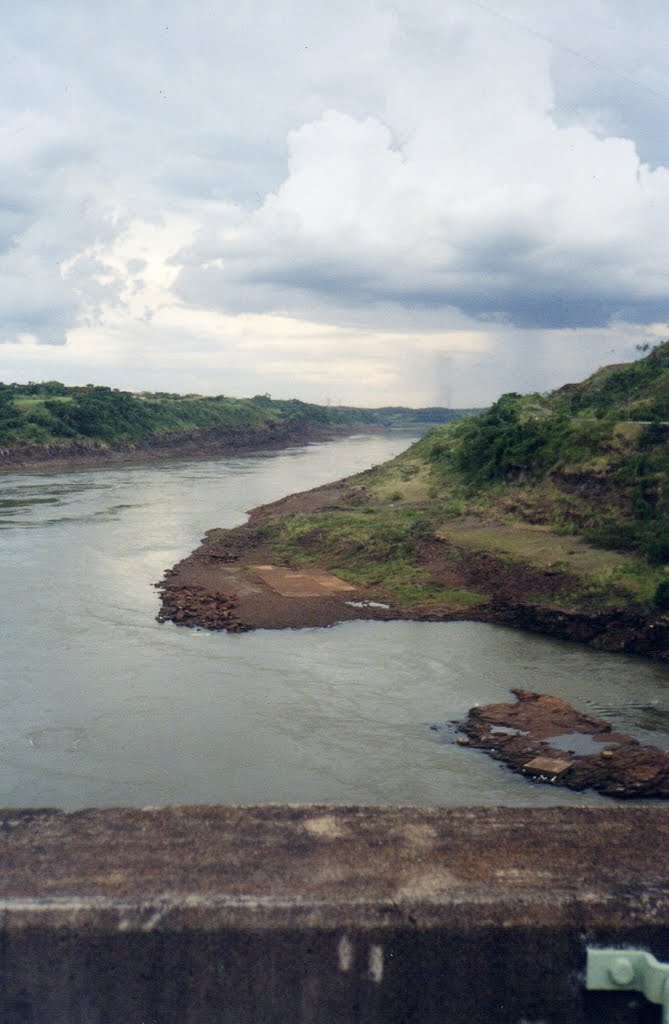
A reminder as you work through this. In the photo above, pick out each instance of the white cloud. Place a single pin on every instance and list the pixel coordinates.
(516, 218)
(400, 199)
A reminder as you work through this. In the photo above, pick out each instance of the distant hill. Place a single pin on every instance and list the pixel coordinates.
(52, 414)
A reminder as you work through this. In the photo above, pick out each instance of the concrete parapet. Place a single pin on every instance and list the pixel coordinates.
(325, 915)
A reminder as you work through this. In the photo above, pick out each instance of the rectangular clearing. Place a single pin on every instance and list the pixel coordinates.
(301, 582)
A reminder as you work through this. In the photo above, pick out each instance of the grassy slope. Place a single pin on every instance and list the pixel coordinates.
(567, 488)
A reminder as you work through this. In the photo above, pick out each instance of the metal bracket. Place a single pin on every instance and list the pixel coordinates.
(629, 969)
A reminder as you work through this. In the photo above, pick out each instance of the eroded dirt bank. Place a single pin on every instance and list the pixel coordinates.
(225, 584)
(82, 454)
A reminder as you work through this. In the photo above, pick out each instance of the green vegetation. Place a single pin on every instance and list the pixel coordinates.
(374, 546)
(50, 412)
(572, 486)
(590, 441)
(661, 596)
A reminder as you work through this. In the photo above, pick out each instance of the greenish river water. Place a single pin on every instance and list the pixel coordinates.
(101, 705)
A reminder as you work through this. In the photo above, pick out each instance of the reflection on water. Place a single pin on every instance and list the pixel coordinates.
(652, 716)
(10, 503)
(64, 736)
(101, 705)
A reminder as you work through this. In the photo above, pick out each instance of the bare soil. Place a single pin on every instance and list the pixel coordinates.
(224, 584)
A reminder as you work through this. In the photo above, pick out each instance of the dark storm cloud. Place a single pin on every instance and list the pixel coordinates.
(546, 303)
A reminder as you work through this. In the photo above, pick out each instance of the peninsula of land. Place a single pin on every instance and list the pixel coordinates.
(546, 512)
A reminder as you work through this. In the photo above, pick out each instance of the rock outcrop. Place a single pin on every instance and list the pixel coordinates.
(548, 740)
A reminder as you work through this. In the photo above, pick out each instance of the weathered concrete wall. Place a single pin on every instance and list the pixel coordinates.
(325, 915)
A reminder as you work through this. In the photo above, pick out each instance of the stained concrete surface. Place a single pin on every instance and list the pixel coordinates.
(325, 914)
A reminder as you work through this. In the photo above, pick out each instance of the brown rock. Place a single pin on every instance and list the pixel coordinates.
(536, 733)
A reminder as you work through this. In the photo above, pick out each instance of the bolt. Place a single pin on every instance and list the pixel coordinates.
(622, 971)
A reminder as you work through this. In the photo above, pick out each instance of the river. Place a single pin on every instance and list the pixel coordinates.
(100, 705)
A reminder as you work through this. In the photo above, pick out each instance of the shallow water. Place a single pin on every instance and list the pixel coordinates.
(101, 705)
(581, 743)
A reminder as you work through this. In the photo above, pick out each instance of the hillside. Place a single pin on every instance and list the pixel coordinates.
(547, 511)
(52, 420)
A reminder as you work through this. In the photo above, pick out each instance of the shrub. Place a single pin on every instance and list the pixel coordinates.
(661, 597)
(657, 550)
(614, 535)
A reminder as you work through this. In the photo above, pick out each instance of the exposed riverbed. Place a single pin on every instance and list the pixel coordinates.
(102, 705)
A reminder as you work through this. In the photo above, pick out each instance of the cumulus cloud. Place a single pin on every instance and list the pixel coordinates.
(411, 192)
(494, 209)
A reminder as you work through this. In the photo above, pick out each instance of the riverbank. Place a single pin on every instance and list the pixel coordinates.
(229, 582)
(82, 454)
(51, 424)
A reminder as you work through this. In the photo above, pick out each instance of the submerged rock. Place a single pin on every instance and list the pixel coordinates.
(548, 740)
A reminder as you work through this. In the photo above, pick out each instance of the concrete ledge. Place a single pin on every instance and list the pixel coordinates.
(325, 914)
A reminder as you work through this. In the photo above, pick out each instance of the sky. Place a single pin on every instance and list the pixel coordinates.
(367, 202)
